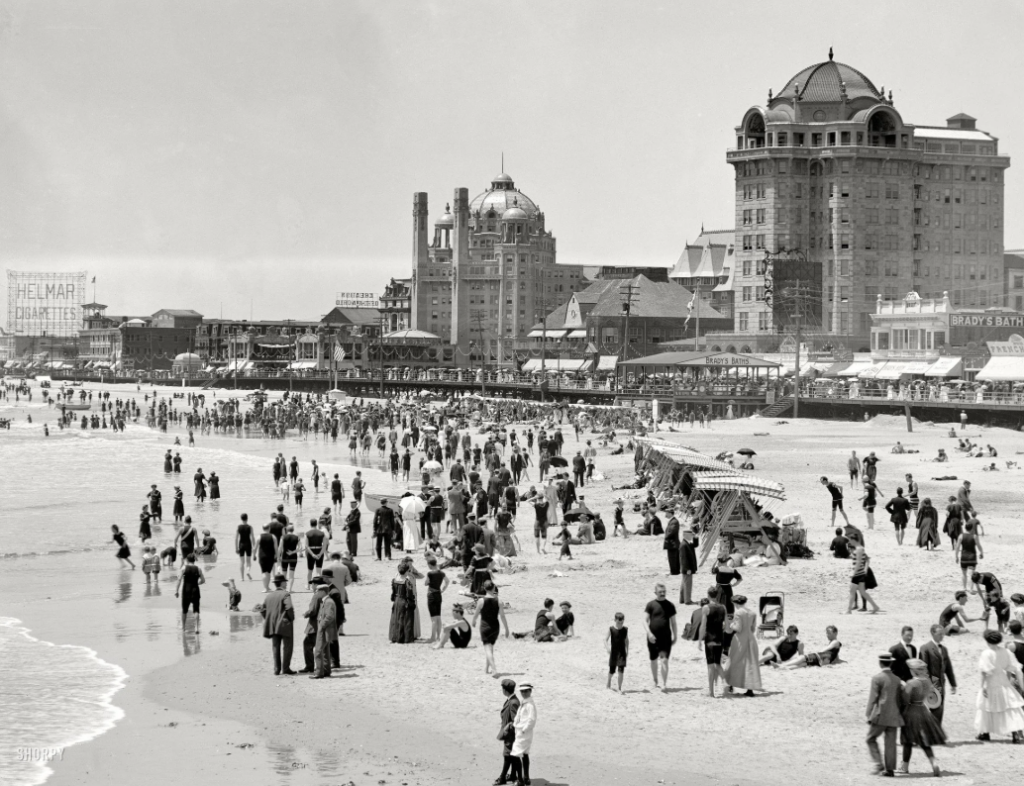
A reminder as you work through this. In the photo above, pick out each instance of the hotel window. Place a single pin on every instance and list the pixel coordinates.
(760, 242)
(762, 321)
(831, 138)
(798, 190)
(844, 139)
(747, 292)
(760, 215)
(746, 267)
(783, 168)
(743, 320)
(761, 190)
(747, 217)
(844, 240)
(747, 242)
(760, 294)
(871, 268)
(815, 140)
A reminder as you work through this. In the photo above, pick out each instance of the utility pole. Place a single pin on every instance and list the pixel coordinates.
(696, 337)
(628, 292)
(796, 372)
(380, 347)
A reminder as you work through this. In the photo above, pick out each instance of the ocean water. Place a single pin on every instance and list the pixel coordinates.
(59, 496)
(56, 696)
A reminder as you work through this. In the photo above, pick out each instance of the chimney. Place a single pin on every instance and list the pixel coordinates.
(461, 327)
(419, 251)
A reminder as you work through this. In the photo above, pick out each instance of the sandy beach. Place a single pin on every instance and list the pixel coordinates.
(411, 715)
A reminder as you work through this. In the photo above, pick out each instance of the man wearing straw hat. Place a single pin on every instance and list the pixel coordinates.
(884, 715)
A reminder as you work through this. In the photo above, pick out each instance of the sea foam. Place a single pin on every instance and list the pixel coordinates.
(53, 696)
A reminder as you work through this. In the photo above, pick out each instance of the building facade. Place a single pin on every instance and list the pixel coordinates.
(707, 267)
(487, 273)
(396, 305)
(829, 170)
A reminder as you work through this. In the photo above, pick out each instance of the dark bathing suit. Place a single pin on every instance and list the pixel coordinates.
(190, 588)
(245, 539)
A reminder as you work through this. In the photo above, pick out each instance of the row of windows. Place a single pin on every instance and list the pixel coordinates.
(870, 166)
(763, 322)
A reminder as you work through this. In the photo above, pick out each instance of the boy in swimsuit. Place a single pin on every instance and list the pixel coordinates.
(953, 618)
(617, 645)
(837, 499)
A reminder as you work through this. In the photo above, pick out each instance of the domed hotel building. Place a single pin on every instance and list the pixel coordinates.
(486, 272)
(829, 172)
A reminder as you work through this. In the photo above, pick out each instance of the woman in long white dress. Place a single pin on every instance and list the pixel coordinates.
(999, 704)
(744, 671)
(411, 540)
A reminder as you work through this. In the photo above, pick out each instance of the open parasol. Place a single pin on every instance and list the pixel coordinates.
(433, 466)
(411, 506)
(558, 461)
(746, 452)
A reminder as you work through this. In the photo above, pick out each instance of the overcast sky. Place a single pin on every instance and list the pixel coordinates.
(260, 154)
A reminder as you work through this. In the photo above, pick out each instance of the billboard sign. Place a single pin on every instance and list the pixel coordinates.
(987, 320)
(357, 300)
(45, 304)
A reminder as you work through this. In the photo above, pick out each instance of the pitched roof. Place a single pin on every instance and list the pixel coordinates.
(354, 316)
(709, 256)
(651, 299)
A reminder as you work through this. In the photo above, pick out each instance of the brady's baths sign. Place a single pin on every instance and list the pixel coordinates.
(986, 320)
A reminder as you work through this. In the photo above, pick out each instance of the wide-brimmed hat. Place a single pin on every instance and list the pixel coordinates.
(280, 578)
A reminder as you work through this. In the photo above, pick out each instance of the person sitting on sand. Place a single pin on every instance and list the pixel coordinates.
(458, 632)
(898, 448)
(840, 546)
(825, 657)
(942, 458)
(784, 650)
(953, 618)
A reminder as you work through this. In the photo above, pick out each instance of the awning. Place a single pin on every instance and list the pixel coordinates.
(917, 367)
(871, 371)
(577, 334)
(710, 481)
(10, 364)
(301, 364)
(102, 364)
(816, 367)
(1003, 368)
(945, 367)
(557, 365)
(607, 362)
(853, 368)
(549, 334)
(892, 370)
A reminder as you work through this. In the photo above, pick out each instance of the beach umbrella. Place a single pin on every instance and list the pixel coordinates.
(433, 466)
(558, 461)
(428, 428)
(746, 452)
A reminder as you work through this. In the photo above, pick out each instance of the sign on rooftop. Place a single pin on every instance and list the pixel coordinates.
(356, 299)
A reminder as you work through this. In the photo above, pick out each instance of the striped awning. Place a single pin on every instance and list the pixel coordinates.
(707, 481)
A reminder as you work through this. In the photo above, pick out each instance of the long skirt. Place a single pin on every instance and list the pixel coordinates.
(403, 622)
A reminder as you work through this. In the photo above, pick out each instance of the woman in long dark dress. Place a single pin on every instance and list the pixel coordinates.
(214, 486)
(200, 480)
(179, 504)
(403, 608)
(954, 521)
(168, 462)
(927, 526)
(489, 612)
(671, 545)
(920, 727)
(123, 552)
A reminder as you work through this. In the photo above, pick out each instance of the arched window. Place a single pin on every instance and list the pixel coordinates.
(745, 349)
(755, 130)
(882, 130)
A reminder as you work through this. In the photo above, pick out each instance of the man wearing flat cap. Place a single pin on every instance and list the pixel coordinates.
(884, 714)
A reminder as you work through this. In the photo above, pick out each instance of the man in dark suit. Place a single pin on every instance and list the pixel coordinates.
(507, 732)
(278, 616)
(903, 652)
(472, 534)
(940, 667)
(383, 529)
(884, 715)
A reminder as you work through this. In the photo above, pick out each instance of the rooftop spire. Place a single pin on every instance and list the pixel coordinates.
(830, 53)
